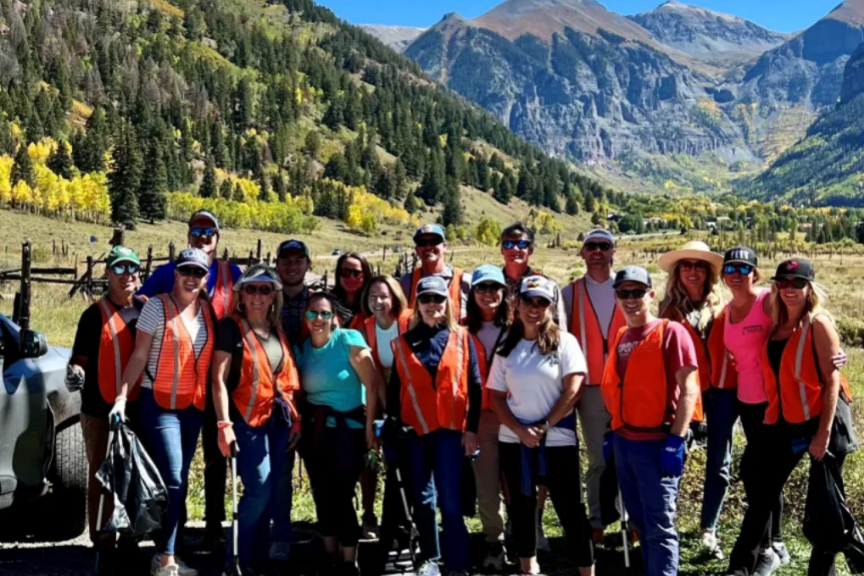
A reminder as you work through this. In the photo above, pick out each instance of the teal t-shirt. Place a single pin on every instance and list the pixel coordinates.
(327, 376)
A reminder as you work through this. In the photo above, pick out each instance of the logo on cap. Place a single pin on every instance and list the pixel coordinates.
(427, 229)
(740, 254)
(538, 283)
(791, 266)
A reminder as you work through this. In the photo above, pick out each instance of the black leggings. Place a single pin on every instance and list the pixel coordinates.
(757, 433)
(774, 469)
(564, 481)
(333, 488)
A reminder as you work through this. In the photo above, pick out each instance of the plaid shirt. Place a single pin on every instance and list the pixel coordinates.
(293, 310)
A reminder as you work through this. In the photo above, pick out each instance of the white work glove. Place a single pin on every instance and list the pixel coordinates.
(74, 378)
(118, 413)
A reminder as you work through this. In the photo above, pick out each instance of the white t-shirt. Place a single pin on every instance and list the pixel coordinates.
(490, 334)
(383, 339)
(534, 384)
(152, 321)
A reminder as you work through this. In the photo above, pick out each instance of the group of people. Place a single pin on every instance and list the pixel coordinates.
(486, 372)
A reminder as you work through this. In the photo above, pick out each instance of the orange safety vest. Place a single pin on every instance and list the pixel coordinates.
(357, 321)
(716, 367)
(455, 290)
(798, 394)
(484, 366)
(253, 397)
(586, 327)
(180, 379)
(115, 348)
(642, 400)
(372, 338)
(427, 407)
(223, 290)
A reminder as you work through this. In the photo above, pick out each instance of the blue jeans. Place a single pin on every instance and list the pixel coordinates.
(721, 413)
(262, 455)
(650, 500)
(436, 472)
(172, 436)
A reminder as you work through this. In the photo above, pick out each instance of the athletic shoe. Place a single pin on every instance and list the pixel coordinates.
(495, 557)
(182, 568)
(429, 568)
(370, 527)
(710, 544)
(767, 564)
(280, 551)
(172, 570)
(782, 553)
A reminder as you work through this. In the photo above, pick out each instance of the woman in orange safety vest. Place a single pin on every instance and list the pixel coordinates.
(436, 390)
(808, 402)
(693, 298)
(254, 380)
(173, 349)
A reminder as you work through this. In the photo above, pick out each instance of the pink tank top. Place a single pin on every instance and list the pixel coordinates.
(746, 341)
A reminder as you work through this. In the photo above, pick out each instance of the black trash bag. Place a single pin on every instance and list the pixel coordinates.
(609, 513)
(469, 489)
(132, 479)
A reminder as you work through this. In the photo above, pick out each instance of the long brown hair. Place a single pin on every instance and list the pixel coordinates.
(339, 292)
(547, 340)
(503, 316)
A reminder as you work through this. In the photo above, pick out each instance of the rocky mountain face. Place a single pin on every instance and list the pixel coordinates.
(718, 39)
(397, 37)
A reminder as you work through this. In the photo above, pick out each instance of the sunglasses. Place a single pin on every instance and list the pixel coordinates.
(346, 273)
(428, 243)
(743, 269)
(520, 244)
(315, 314)
(121, 269)
(536, 302)
(602, 246)
(192, 271)
(796, 283)
(252, 289)
(693, 265)
(201, 232)
(487, 287)
(636, 293)
(431, 299)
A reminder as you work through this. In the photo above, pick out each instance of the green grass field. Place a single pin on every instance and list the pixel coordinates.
(57, 316)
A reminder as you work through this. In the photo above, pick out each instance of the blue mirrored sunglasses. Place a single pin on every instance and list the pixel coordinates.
(743, 269)
(520, 244)
(201, 232)
(130, 268)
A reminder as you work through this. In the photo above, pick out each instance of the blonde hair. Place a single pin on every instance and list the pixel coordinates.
(400, 303)
(814, 306)
(449, 316)
(273, 316)
(676, 303)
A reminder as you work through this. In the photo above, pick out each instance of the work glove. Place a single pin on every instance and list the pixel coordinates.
(673, 456)
(800, 445)
(117, 416)
(74, 378)
(607, 446)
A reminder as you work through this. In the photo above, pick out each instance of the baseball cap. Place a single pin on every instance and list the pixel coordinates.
(741, 255)
(205, 215)
(258, 273)
(488, 273)
(430, 230)
(538, 286)
(632, 274)
(795, 268)
(121, 254)
(193, 257)
(598, 234)
(432, 285)
(295, 245)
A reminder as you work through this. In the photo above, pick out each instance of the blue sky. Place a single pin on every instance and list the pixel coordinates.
(779, 15)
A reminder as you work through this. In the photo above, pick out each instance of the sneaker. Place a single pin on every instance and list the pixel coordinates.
(370, 527)
(710, 544)
(429, 568)
(782, 552)
(182, 568)
(597, 535)
(495, 557)
(542, 542)
(173, 570)
(280, 551)
(767, 564)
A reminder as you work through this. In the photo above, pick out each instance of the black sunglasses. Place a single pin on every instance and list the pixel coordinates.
(252, 289)
(192, 271)
(487, 287)
(202, 232)
(796, 283)
(743, 269)
(429, 243)
(431, 299)
(346, 273)
(121, 269)
(535, 302)
(693, 265)
(520, 244)
(602, 246)
(637, 293)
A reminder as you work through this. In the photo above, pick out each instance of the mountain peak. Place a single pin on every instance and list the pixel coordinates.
(850, 11)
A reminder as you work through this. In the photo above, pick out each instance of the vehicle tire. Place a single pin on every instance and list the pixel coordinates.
(68, 498)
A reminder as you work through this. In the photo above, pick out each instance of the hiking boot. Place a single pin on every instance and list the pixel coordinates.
(495, 557)
(767, 564)
(172, 570)
(429, 568)
(711, 545)
(782, 552)
(182, 568)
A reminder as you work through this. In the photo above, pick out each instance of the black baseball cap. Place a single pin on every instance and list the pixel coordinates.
(293, 245)
(795, 268)
(741, 255)
(632, 274)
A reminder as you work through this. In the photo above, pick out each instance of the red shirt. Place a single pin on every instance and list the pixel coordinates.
(678, 352)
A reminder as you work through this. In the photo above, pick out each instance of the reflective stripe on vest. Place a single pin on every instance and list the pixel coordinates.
(223, 290)
(400, 349)
(592, 334)
(115, 348)
(799, 357)
(259, 381)
(115, 341)
(796, 394)
(256, 369)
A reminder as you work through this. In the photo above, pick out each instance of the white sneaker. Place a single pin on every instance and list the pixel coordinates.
(173, 570)
(429, 568)
(495, 557)
(711, 545)
(182, 568)
(280, 551)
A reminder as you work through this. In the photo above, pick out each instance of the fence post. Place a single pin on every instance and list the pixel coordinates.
(88, 288)
(384, 254)
(251, 258)
(258, 251)
(149, 264)
(171, 252)
(23, 301)
(225, 254)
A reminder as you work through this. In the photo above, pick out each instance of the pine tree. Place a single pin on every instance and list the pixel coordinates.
(590, 202)
(152, 200)
(208, 182)
(225, 189)
(452, 213)
(279, 186)
(60, 162)
(23, 167)
(412, 205)
(238, 195)
(572, 206)
(124, 180)
(400, 179)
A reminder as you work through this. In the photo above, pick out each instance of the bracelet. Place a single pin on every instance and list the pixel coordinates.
(224, 424)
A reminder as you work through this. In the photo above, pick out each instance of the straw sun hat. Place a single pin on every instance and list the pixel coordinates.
(693, 250)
